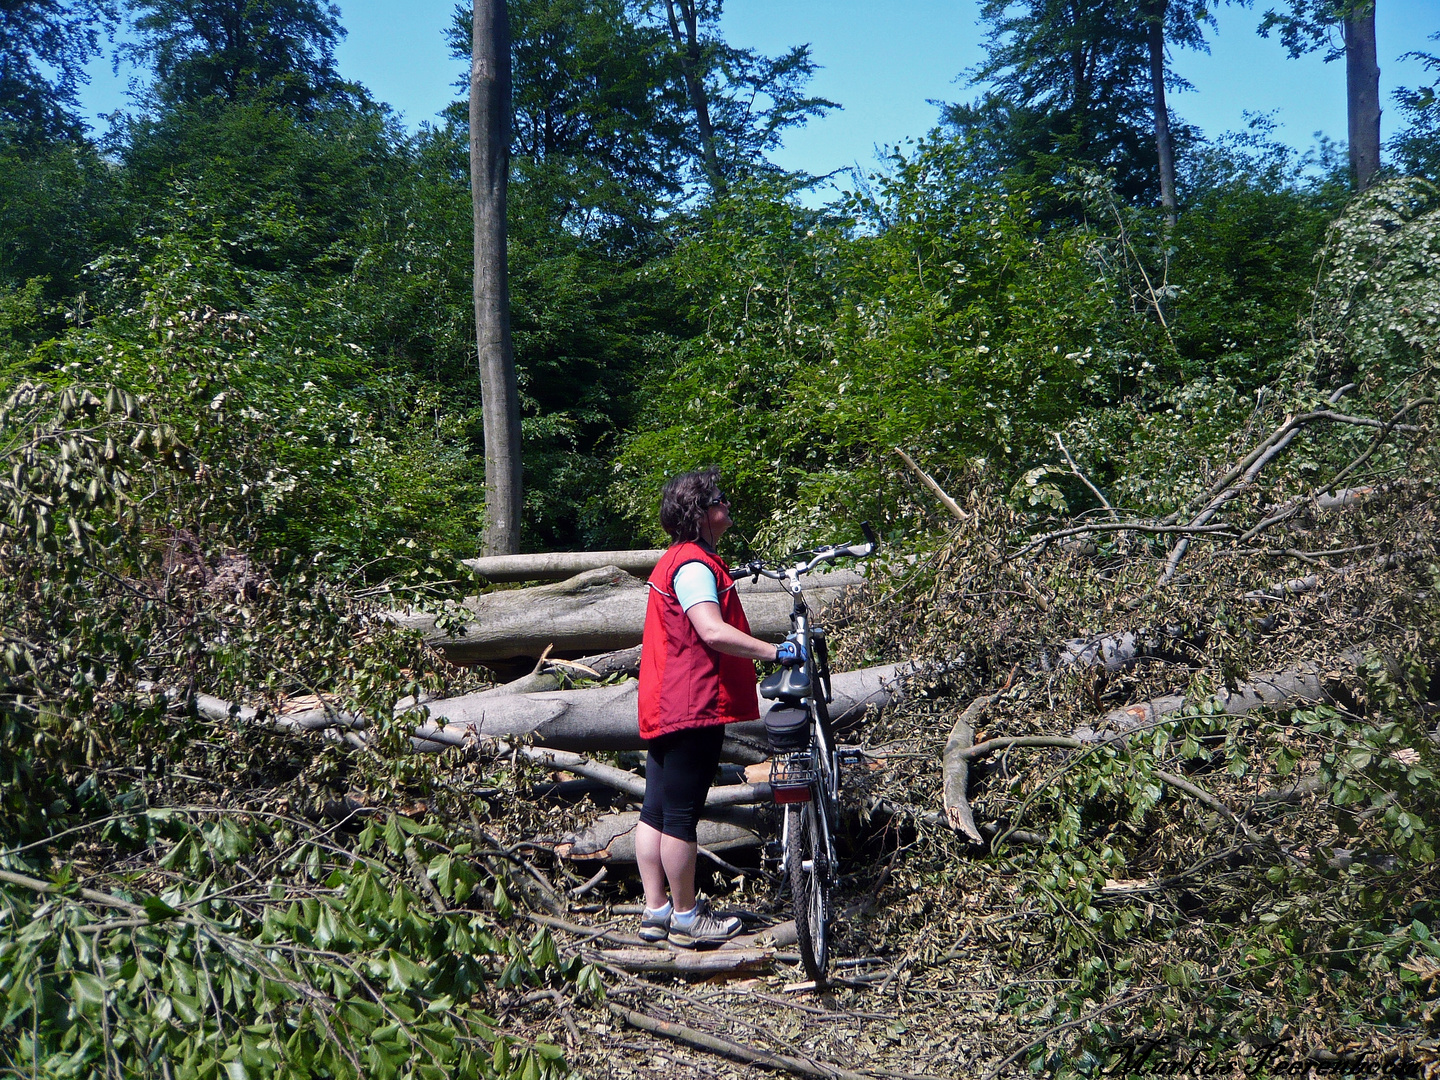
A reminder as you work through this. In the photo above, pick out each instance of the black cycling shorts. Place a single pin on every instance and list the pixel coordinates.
(679, 769)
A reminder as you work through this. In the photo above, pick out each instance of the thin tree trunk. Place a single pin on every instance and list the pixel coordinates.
(1155, 15)
(489, 173)
(687, 48)
(1362, 95)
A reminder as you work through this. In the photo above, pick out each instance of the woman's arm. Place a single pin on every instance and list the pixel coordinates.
(722, 637)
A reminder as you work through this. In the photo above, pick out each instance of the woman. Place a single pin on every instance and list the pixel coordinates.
(697, 674)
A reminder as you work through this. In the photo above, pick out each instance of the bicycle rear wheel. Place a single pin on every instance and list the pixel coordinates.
(809, 887)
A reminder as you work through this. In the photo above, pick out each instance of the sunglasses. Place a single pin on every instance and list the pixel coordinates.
(718, 500)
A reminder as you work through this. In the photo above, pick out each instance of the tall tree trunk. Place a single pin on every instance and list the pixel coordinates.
(489, 173)
(687, 49)
(1362, 95)
(1155, 15)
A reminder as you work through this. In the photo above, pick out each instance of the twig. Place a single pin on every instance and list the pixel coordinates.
(581, 890)
(1221, 531)
(1084, 479)
(727, 867)
(577, 666)
(588, 932)
(1126, 1000)
(704, 1040)
(561, 1004)
(1203, 796)
(426, 885)
(1336, 480)
(990, 746)
(945, 500)
(36, 885)
(1239, 469)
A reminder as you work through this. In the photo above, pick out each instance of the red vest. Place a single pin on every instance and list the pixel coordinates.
(683, 682)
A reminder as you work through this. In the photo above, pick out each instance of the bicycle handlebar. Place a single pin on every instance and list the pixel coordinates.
(819, 557)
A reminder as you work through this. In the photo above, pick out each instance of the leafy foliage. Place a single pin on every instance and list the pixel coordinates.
(922, 318)
(282, 51)
(44, 46)
(220, 933)
(1414, 145)
(331, 966)
(1071, 88)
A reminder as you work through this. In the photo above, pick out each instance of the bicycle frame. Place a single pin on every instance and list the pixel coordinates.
(824, 752)
(808, 781)
(825, 788)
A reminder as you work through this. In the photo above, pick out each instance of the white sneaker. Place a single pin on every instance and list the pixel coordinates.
(702, 927)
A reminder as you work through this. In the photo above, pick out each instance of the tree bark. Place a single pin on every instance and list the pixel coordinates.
(1362, 95)
(611, 838)
(688, 965)
(598, 611)
(1301, 685)
(1155, 17)
(607, 717)
(557, 565)
(955, 769)
(687, 51)
(489, 175)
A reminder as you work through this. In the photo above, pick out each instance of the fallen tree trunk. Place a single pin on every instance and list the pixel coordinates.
(600, 610)
(607, 718)
(1300, 685)
(611, 839)
(557, 565)
(628, 783)
(688, 965)
(1303, 684)
(596, 718)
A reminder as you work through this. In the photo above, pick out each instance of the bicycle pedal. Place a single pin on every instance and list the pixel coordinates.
(850, 757)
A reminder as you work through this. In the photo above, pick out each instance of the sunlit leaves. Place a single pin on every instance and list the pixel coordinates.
(351, 981)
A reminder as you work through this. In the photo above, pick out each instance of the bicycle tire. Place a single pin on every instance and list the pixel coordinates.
(809, 888)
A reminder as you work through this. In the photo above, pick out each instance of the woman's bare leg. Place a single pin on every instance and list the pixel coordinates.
(648, 841)
(678, 857)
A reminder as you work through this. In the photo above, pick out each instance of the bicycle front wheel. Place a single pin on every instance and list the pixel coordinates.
(809, 887)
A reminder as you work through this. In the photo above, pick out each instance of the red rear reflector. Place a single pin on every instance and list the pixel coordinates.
(791, 794)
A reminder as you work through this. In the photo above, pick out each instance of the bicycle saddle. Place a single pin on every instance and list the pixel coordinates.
(785, 684)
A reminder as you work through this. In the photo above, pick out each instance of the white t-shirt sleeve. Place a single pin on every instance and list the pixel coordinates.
(695, 584)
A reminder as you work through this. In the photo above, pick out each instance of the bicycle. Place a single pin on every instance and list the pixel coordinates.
(805, 768)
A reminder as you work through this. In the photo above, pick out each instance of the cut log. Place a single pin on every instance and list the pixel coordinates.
(688, 965)
(611, 839)
(601, 610)
(607, 718)
(557, 565)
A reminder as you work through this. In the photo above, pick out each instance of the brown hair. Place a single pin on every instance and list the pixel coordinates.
(685, 501)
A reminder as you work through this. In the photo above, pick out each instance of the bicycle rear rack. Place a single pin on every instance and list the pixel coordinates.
(792, 776)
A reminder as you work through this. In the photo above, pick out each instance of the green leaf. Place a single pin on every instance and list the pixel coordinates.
(157, 910)
(87, 990)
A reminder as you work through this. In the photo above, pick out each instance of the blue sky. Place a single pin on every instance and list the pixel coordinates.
(884, 61)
